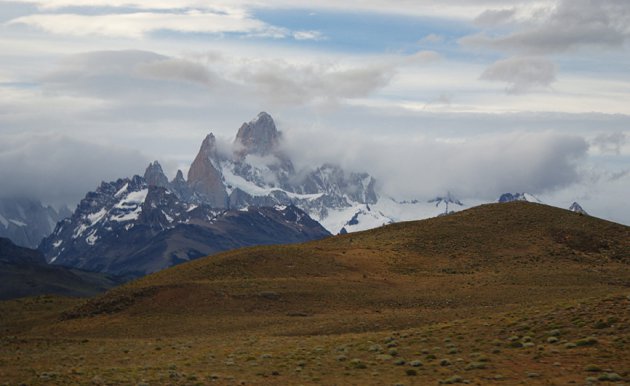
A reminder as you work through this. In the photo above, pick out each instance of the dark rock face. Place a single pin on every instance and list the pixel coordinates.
(26, 221)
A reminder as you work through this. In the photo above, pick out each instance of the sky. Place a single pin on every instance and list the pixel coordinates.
(472, 97)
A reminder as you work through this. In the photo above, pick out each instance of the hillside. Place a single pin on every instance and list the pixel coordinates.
(477, 296)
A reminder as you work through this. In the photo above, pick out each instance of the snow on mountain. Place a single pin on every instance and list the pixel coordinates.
(130, 227)
(508, 197)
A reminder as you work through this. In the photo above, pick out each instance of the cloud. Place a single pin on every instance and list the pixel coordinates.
(139, 24)
(458, 9)
(423, 57)
(610, 143)
(432, 39)
(572, 24)
(521, 74)
(495, 17)
(58, 169)
(127, 75)
(422, 167)
(529, 34)
(132, 76)
(282, 82)
(308, 35)
(178, 69)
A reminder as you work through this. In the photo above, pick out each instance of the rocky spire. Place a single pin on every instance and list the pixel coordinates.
(180, 187)
(204, 177)
(179, 177)
(154, 175)
(258, 136)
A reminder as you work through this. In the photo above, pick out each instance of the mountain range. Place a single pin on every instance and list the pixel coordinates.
(131, 227)
(250, 194)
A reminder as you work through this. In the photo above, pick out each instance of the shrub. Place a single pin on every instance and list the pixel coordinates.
(358, 364)
(612, 377)
(475, 365)
(453, 379)
(593, 368)
(590, 341)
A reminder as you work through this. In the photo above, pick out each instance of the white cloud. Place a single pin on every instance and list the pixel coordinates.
(418, 166)
(137, 25)
(308, 35)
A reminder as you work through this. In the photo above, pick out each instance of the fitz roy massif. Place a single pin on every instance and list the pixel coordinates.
(250, 194)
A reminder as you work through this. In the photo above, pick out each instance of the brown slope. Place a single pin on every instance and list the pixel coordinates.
(498, 255)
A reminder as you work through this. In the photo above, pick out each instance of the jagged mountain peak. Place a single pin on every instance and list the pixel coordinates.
(258, 136)
(154, 175)
(208, 147)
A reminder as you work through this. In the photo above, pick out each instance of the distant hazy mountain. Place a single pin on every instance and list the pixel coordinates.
(575, 207)
(24, 272)
(26, 221)
(509, 197)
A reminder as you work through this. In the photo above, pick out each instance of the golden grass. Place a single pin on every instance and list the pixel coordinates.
(472, 297)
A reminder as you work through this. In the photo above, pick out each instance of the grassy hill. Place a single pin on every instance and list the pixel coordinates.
(503, 293)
